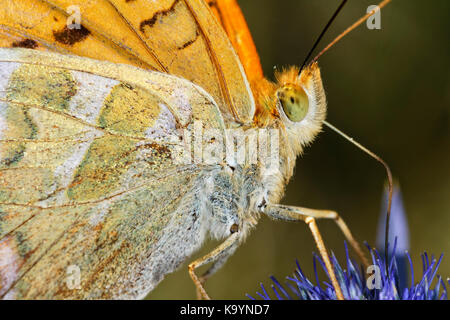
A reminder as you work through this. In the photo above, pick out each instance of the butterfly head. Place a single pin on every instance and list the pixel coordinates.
(300, 104)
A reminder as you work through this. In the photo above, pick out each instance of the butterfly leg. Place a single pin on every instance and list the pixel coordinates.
(332, 215)
(295, 214)
(219, 255)
(216, 266)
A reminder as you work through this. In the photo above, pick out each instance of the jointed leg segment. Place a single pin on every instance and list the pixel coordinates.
(291, 213)
(288, 213)
(311, 222)
(219, 256)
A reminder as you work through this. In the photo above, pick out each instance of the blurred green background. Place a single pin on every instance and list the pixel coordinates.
(389, 89)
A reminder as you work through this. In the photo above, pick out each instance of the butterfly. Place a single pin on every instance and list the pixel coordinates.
(98, 102)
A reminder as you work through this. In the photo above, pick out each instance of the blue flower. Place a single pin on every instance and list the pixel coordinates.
(375, 283)
(354, 285)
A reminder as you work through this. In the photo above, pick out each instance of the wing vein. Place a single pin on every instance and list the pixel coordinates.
(88, 25)
(34, 37)
(149, 50)
(37, 260)
(29, 105)
(215, 61)
(118, 194)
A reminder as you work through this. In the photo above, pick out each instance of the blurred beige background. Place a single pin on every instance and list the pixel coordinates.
(389, 89)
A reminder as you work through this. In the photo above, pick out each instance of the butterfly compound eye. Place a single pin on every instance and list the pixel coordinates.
(294, 102)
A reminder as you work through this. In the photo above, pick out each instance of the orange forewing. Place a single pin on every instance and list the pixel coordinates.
(181, 37)
(230, 16)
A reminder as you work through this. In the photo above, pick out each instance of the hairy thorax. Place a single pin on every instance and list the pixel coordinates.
(234, 194)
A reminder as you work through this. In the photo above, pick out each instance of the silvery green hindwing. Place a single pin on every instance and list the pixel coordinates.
(100, 174)
(107, 196)
(107, 180)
